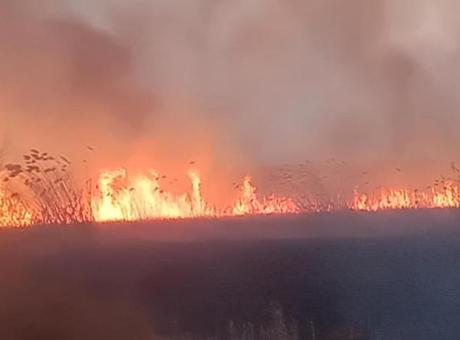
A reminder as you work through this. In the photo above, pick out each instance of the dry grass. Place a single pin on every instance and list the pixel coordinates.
(43, 184)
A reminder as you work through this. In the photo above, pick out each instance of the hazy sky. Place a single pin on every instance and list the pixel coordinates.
(268, 80)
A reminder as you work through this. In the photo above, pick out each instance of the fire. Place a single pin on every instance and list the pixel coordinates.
(12, 212)
(124, 199)
(43, 191)
(249, 203)
(140, 198)
(402, 198)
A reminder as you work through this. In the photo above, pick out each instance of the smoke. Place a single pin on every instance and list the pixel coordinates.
(259, 81)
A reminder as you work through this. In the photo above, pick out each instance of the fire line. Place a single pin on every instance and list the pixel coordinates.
(43, 192)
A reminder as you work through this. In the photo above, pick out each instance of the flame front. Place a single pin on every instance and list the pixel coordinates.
(448, 196)
(142, 198)
(48, 196)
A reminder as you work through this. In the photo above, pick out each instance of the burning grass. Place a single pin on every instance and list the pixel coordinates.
(42, 190)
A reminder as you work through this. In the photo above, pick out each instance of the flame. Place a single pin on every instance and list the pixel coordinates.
(122, 199)
(119, 196)
(128, 199)
(402, 198)
(249, 204)
(12, 212)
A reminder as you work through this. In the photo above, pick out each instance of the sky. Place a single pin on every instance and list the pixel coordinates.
(243, 81)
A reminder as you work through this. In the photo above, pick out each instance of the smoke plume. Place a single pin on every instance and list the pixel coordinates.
(259, 81)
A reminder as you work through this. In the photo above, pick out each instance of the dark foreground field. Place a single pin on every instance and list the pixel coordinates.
(340, 276)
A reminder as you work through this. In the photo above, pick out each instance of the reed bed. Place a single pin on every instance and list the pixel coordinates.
(43, 185)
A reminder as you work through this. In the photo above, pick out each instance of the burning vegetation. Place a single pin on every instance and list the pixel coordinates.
(42, 190)
(125, 199)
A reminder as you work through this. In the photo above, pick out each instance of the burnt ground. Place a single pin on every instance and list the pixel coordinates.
(393, 275)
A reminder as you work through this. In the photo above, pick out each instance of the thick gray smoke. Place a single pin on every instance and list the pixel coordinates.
(274, 80)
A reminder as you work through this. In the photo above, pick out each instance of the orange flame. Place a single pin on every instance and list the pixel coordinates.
(402, 198)
(249, 204)
(120, 197)
(12, 212)
(140, 198)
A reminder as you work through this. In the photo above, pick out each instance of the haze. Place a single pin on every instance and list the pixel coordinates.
(253, 82)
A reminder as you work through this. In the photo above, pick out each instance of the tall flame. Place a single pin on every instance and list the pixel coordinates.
(122, 198)
(142, 198)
